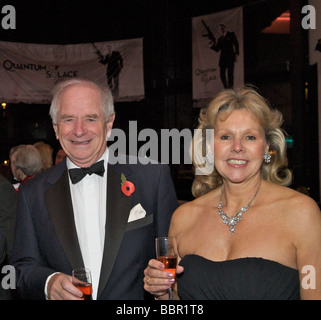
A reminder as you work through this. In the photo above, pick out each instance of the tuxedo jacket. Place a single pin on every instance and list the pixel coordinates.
(8, 203)
(46, 239)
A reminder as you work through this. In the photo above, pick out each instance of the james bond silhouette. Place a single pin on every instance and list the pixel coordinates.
(228, 44)
(114, 63)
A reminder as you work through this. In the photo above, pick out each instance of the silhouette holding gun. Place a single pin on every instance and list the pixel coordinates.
(228, 44)
(114, 63)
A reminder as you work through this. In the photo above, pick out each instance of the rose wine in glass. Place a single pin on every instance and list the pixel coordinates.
(86, 289)
(166, 252)
(81, 279)
(170, 263)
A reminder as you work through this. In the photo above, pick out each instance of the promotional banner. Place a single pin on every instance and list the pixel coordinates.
(217, 41)
(28, 72)
(312, 17)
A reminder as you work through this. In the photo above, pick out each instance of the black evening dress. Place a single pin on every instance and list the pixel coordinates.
(238, 279)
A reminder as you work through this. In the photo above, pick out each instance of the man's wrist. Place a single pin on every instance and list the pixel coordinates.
(46, 285)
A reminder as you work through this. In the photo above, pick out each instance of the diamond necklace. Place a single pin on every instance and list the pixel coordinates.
(234, 220)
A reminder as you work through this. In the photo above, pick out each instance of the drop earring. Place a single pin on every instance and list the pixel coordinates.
(210, 157)
(267, 157)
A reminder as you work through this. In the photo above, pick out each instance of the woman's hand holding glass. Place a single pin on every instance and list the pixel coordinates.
(157, 281)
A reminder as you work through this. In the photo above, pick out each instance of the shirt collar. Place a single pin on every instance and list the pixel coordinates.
(105, 156)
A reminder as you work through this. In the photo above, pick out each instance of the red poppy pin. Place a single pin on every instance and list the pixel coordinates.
(127, 187)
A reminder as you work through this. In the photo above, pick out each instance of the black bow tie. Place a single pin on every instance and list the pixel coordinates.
(77, 174)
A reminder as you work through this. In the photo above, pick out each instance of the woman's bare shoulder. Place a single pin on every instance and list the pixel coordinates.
(297, 201)
(186, 213)
(298, 207)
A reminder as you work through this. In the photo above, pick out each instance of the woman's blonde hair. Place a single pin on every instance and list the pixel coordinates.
(46, 154)
(271, 120)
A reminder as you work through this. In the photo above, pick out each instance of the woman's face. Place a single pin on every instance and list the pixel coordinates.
(239, 145)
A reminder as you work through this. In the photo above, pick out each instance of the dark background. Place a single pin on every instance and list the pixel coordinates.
(277, 63)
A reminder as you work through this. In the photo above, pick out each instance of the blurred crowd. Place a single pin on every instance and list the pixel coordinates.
(26, 161)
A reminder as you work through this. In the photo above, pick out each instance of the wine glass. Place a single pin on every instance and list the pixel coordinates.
(81, 278)
(166, 252)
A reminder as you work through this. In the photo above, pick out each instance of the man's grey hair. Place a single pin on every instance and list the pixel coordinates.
(28, 160)
(107, 100)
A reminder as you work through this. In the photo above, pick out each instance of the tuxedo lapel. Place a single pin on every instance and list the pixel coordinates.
(118, 208)
(59, 205)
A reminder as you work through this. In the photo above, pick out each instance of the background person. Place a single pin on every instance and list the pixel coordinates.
(45, 150)
(60, 156)
(12, 159)
(246, 235)
(27, 163)
(8, 203)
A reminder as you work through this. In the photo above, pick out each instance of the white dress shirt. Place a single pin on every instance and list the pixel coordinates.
(89, 198)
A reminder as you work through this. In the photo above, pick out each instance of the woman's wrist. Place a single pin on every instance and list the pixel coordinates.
(161, 296)
(166, 296)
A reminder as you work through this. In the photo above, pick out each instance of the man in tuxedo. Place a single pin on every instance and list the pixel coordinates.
(86, 211)
(228, 44)
(8, 203)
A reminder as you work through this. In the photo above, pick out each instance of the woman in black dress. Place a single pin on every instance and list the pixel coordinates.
(246, 235)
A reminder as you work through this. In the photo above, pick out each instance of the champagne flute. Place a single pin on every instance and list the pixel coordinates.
(81, 279)
(166, 252)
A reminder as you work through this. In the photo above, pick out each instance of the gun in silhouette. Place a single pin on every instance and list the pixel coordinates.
(209, 33)
(99, 54)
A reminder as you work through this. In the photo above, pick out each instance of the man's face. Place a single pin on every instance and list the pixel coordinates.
(13, 166)
(81, 125)
(61, 154)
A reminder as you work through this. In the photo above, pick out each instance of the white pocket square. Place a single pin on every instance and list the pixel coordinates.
(136, 213)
